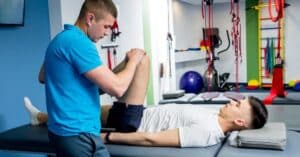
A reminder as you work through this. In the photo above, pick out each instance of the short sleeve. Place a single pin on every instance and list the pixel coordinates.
(85, 58)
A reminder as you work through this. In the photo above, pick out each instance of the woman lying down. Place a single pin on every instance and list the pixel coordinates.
(172, 125)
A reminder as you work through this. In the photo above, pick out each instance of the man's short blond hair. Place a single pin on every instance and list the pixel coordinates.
(99, 8)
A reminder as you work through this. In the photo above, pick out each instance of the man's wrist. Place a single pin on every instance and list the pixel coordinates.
(107, 140)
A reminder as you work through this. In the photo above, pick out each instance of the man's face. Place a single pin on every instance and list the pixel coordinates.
(99, 29)
(237, 110)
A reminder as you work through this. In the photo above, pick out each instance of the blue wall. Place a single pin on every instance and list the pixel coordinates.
(22, 50)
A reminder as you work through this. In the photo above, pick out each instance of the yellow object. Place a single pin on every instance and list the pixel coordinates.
(292, 83)
(204, 48)
(261, 6)
(253, 83)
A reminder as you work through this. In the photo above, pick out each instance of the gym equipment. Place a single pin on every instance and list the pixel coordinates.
(292, 83)
(236, 37)
(210, 41)
(223, 86)
(225, 97)
(108, 47)
(277, 89)
(279, 5)
(207, 98)
(293, 98)
(234, 96)
(211, 77)
(209, 95)
(180, 100)
(191, 82)
(188, 49)
(115, 32)
(252, 84)
(274, 51)
(173, 95)
(297, 86)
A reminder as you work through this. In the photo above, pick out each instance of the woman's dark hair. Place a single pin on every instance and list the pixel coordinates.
(259, 112)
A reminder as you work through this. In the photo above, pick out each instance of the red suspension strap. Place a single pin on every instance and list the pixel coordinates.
(236, 36)
(279, 7)
(207, 10)
(203, 12)
(207, 15)
(109, 59)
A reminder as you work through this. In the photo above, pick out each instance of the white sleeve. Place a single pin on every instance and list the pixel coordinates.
(194, 136)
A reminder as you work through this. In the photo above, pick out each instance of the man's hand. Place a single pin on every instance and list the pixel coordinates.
(135, 55)
(117, 84)
(103, 135)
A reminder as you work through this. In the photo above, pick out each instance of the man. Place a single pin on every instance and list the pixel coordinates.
(73, 72)
(187, 125)
(179, 125)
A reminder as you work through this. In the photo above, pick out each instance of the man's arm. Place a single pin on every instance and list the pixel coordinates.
(169, 138)
(42, 74)
(116, 84)
(121, 66)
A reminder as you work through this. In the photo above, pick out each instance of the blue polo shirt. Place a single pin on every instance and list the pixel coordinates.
(73, 103)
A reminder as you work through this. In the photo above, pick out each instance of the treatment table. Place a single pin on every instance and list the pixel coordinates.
(28, 138)
(292, 98)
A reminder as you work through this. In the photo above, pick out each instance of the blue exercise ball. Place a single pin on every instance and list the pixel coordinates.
(191, 82)
(297, 86)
